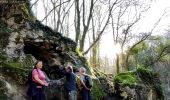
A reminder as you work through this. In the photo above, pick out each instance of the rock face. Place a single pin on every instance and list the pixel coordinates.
(23, 40)
(142, 84)
(163, 68)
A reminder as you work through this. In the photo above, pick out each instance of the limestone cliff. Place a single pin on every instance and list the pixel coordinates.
(23, 39)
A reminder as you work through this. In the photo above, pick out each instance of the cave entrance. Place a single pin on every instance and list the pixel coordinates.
(47, 53)
(52, 59)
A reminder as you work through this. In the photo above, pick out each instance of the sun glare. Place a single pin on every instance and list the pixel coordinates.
(110, 51)
(117, 48)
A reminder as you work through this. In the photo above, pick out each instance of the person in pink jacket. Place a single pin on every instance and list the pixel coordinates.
(38, 81)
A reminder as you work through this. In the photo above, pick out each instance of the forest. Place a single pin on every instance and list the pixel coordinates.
(125, 49)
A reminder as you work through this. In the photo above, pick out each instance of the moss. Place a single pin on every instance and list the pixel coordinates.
(97, 92)
(15, 64)
(128, 78)
(17, 70)
(27, 14)
(142, 79)
(79, 52)
(146, 75)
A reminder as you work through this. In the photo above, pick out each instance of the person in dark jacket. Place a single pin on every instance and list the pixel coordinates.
(70, 83)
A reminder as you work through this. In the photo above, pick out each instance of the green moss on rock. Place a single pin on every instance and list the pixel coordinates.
(79, 52)
(142, 80)
(97, 92)
(27, 14)
(125, 79)
(18, 71)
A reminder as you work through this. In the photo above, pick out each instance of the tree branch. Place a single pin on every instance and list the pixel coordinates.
(34, 4)
(101, 32)
(53, 9)
(127, 30)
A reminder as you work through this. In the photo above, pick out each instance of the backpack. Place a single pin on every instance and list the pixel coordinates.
(88, 81)
(78, 83)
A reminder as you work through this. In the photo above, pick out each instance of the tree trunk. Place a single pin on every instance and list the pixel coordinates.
(117, 64)
(82, 41)
(77, 21)
(58, 21)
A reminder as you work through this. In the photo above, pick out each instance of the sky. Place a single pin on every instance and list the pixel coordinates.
(145, 25)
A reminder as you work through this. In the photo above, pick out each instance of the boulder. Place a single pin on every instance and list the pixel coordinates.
(142, 84)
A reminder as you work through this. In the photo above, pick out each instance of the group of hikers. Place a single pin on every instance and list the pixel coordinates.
(38, 82)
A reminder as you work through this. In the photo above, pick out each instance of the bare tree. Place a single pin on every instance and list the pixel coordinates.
(98, 26)
(95, 49)
(122, 23)
(77, 20)
(45, 6)
(86, 19)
